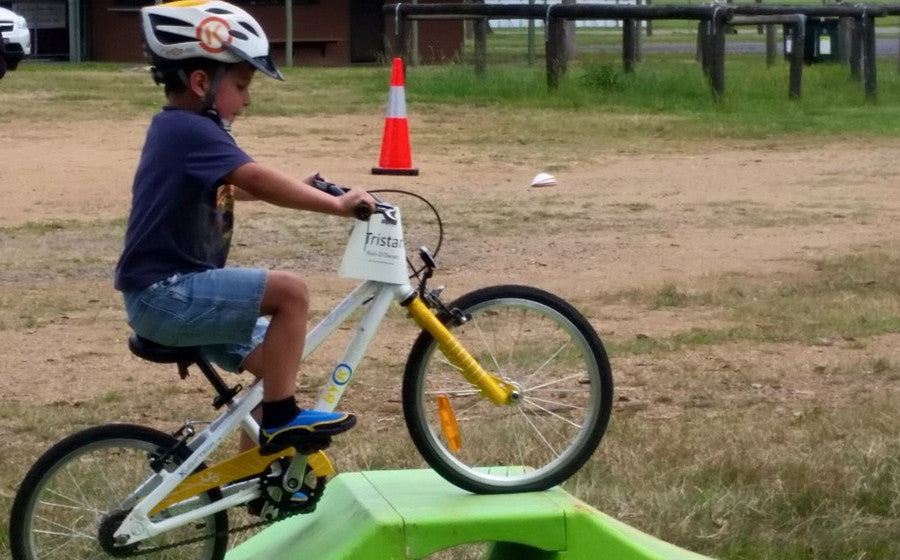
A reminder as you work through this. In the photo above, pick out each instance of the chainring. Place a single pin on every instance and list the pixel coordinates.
(280, 503)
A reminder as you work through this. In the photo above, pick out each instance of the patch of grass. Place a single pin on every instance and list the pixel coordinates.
(849, 297)
(668, 92)
(784, 489)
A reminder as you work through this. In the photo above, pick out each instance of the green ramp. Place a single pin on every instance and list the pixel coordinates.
(408, 514)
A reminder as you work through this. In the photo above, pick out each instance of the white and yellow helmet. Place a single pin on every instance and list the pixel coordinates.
(209, 29)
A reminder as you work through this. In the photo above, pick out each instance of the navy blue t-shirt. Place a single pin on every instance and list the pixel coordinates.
(181, 211)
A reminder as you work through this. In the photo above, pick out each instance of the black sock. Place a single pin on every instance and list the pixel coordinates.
(279, 413)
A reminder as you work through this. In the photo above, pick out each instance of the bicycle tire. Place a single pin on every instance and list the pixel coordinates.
(61, 503)
(551, 354)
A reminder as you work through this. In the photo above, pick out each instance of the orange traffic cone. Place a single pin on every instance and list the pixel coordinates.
(396, 158)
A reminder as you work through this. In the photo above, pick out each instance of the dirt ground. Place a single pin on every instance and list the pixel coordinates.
(616, 221)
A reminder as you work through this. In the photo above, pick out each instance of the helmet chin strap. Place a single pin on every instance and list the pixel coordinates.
(209, 99)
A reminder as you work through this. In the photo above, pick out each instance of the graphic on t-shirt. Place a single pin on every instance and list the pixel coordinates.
(225, 217)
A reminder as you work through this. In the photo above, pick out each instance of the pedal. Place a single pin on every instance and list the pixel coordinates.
(308, 446)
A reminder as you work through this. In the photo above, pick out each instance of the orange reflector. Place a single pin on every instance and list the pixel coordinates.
(448, 423)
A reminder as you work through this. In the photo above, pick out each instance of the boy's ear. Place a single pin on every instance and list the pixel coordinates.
(198, 83)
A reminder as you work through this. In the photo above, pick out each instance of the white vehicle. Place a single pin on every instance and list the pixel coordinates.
(15, 40)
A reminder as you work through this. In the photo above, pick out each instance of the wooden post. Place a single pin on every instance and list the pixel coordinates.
(649, 21)
(480, 30)
(413, 41)
(717, 57)
(638, 41)
(843, 41)
(531, 37)
(288, 33)
(628, 44)
(797, 52)
(856, 48)
(401, 39)
(771, 45)
(868, 56)
(555, 51)
(700, 55)
(759, 28)
(568, 33)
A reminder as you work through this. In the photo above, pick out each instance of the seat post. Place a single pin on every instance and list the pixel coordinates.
(224, 393)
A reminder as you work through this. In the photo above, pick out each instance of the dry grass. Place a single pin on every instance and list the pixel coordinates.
(756, 387)
(717, 443)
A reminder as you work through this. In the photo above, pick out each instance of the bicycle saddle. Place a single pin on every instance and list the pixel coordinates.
(155, 352)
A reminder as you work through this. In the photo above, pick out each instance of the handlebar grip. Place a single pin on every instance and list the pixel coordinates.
(362, 212)
(326, 186)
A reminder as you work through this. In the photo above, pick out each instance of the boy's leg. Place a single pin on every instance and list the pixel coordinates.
(276, 361)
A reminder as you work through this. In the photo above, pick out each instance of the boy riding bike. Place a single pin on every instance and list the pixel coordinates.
(172, 273)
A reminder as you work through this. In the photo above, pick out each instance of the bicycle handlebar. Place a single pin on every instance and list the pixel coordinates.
(360, 212)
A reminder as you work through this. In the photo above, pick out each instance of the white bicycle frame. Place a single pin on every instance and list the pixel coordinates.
(376, 254)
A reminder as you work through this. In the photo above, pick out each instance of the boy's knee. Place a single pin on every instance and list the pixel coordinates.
(286, 288)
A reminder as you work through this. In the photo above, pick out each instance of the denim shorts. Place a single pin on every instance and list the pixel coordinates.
(218, 310)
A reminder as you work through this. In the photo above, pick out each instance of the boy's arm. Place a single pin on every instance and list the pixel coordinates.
(241, 194)
(272, 186)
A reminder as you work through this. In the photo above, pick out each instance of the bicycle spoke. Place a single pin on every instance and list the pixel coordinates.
(77, 487)
(461, 415)
(61, 546)
(487, 347)
(551, 356)
(556, 390)
(538, 432)
(550, 359)
(454, 392)
(557, 403)
(59, 534)
(447, 362)
(554, 382)
(551, 413)
(513, 339)
(77, 504)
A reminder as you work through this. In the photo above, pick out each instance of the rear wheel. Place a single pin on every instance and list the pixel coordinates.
(549, 352)
(74, 498)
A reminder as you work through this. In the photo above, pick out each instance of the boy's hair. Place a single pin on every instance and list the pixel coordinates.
(173, 75)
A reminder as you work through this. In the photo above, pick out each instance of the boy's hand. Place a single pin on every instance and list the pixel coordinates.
(354, 198)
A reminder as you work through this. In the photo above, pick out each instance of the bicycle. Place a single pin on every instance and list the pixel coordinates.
(522, 412)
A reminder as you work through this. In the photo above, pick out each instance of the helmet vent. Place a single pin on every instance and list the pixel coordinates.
(220, 11)
(238, 34)
(249, 28)
(168, 37)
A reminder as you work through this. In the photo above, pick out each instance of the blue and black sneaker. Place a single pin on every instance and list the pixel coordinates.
(308, 432)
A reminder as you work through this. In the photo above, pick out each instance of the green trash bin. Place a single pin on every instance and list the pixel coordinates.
(820, 42)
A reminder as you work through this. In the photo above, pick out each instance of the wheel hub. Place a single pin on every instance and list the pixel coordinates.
(108, 527)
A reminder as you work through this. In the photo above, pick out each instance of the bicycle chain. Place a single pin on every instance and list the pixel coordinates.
(309, 507)
(185, 542)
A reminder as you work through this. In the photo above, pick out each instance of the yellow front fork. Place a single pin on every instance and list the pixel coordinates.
(490, 385)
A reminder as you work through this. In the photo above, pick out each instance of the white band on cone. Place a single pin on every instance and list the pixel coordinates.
(396, 103)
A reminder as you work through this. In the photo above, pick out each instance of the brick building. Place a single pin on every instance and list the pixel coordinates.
(325, 32)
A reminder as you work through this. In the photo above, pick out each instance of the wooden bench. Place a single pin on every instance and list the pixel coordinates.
(321, 43)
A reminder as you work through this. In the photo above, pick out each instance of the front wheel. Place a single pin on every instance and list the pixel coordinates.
(544, 348)
(77, 493)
